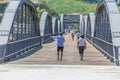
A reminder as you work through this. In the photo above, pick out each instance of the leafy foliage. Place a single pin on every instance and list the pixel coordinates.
(42, 7)
(70, 6)
(89, 1)
(75, 26)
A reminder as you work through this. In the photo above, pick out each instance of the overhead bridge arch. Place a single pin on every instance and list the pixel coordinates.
(107, 30)
(19, 29)
(55, 26)
(90, 27)
(84, 24)
(45, 26)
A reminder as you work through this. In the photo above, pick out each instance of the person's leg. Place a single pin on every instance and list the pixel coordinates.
(81, 52)
(58, 53)
(72, 37)
(81, 57)
(61, 56)
(61, 53)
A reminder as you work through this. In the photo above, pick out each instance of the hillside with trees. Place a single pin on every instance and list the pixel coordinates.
(56, 7)
(71, 6)
(89, 1)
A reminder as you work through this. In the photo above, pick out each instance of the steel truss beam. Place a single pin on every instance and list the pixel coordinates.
(107, 30)
(55, 26)
(19, 31)
(90, 27)
(45, 26)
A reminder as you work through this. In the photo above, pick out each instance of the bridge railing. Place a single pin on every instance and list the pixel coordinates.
(2, 47)
(117, 50)
(46, 38)
(108, 49)
(89, 38)
(17, 48)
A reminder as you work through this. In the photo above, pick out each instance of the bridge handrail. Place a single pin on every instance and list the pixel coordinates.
(114, 46)
(15, 53)
(20, 49)
(104, 41)
(23, 39)
(114, 57)
(47, 35)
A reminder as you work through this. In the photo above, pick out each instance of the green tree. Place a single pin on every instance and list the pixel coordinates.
(71, 6)
(42, 7)
(75, 26)
(90, 1)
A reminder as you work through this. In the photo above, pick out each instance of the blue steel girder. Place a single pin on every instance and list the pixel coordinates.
(107, 30)
(19, 29)
(55, 26)
(90, 27)
(45, 26)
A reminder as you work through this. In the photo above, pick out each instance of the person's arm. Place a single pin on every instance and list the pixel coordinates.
(54, 37)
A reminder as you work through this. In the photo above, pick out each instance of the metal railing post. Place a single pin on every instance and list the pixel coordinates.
(118, 56)
(114, 54)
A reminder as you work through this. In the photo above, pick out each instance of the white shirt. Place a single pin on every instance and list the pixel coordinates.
(81, 42)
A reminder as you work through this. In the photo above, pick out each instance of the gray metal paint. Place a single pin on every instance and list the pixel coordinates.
(114, 19)
(61, 20)
(81, 24)
(43, 22)
(55, 26)
(7, 21)
(92, 22)
(59, 26)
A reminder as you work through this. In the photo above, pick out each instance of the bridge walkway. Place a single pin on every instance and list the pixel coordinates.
(47, 55)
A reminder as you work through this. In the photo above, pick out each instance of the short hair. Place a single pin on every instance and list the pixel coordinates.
(61, 33)
(82, 36)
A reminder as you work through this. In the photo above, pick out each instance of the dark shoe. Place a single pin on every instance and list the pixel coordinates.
(61, 59)
(81, 59)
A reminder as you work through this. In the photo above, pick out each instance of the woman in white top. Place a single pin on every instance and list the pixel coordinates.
(81, 45)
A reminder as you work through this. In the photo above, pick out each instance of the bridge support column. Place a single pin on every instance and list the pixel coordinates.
(62, 27)
(119, 56)
(59, 26)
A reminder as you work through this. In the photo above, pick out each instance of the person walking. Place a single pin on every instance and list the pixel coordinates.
(81, 45)
(60, 45)
(72, 34)
(78, 35)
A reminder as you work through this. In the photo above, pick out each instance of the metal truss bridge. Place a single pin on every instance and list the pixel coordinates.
(22, 32)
